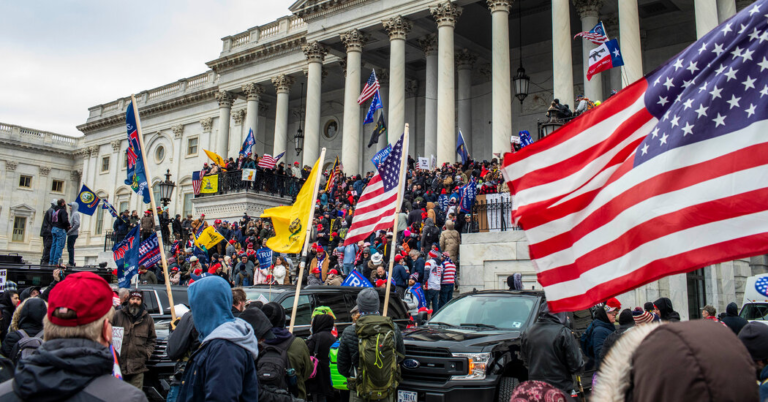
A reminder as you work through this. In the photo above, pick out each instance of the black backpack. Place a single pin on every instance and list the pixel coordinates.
(26, 345)
(273, 372)
(432, 236)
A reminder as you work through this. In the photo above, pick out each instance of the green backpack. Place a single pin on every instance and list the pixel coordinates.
(379, 374)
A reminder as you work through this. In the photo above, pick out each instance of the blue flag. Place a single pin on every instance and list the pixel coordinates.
(149, 252)
(264, 255)
(375, 105)
(467, 195)
(137, 178)
(87, 201)
(112, 211)
(381, 155)
(247, 146)
(419, 293)
(126, 255)
(461, 148)
(357, 280)
(525, 138)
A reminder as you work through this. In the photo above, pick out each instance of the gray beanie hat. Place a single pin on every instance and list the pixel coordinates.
(368, 301)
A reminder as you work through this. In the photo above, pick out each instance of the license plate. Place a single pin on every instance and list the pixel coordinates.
(407, 396)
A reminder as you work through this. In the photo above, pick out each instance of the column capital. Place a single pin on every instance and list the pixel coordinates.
(115, 145)
(465, 59)
(178, 130)
(486, 70)
(397, 27)
(611, 23)
(76, 174)
(314, 51)
(428, 44)
(343, 65)
(44, 170)
(225, 99)
(384, 78)
(239, 116)
(499, 5)
(253, 91)
(207, 124)
(446, 14)
(11, 166)
(588, 8)
(94, 151)
(411, 88)
(354, 40)
(283, 83)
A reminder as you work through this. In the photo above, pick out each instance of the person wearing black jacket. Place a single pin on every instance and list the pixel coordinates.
(8, 303)
(182, 342)
(665, 311)
(550, 352)
(176, 226)
(30, 321)
(60, 226)
(319, 345)
(45, 233)
(732, 319)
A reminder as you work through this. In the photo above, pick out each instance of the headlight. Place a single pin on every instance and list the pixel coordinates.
(476, 365)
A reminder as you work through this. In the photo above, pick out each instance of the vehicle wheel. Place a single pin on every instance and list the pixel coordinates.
(506, 388)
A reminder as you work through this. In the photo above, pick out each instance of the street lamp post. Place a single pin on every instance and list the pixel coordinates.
(166, 188)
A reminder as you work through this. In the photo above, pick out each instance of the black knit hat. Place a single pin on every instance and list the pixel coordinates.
(625, 318)
(275, 313)
(755, 337)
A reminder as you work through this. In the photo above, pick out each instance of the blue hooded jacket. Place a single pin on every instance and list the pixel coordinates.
(224, 367)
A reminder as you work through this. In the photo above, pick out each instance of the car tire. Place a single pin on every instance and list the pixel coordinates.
(507, 386)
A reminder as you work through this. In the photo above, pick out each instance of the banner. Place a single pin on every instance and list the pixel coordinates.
(423, 163)
(264, 255)
(356, 280)
(245, 149)
(149, 252)
(209, 238)
(216, 158)
(87, 201)
(249, 174)
(381, 155)
(126, 255)
(112, 211)
(209, 184)
(137, 178)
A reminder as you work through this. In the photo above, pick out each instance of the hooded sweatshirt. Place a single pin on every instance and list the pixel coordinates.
(74, 220)
(665, 309)
(30, 321)
(732, 319)
(45, 229)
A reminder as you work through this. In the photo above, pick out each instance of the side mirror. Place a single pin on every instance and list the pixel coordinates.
(422, 318)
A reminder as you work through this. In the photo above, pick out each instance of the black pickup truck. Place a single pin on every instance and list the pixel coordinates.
(469, 350)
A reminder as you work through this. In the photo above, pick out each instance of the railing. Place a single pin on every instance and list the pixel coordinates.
(297, 23)
(31, 133)
(110, 239)
(109, 107)
(164, 90)
(5, 127)
(268, 30)
(241, 39)
(63, 139)
(197, 80)
(493, 215)
(264, 182)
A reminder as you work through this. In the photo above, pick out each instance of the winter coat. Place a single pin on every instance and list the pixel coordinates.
(63, 218)
(450, 241)
(611, 339)
(430, 234)
(732, 319)
(312, 279)
(30, 320)
(319, 345)
(72, 369)
(431, 211)
(665, 308)
(688, 361)
(147, 224)
(7, 308)
(550, 352)
(598, 331)
(148, 277)
(298, 358)
(45, 229)
(334, 280)
(139, 340)
(400, 275)
(419, 268)
(74, 220)
(348, 357)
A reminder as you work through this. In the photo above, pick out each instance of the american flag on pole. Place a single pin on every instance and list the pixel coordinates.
(268, 162)
(197, 179)
(668, 176)
(596, 35)
(333, 175)
(370, 88)
(377, 204)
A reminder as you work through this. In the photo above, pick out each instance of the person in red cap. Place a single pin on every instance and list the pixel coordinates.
(147, 224)
(334, 279)
(75, 361)
(138, 338)
(314, 278)
(400, 274)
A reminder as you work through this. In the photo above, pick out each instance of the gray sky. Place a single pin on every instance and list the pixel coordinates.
(59, 57)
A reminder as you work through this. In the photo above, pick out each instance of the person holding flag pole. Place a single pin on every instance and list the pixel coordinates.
(400, 183)
(133, 110)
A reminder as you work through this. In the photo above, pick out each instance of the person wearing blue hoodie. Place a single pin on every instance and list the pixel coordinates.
(224, 366)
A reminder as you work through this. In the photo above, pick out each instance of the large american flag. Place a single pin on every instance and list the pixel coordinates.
(197, 179)
(376, 207)
(268, 162)
(668, 176)
(370, 88)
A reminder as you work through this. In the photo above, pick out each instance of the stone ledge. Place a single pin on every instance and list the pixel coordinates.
(232, 206)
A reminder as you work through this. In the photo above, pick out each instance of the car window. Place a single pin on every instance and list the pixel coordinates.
(150, 302)
(500, 311)
(755, 312)
(303, 313)
(337, 304)
(253, 294)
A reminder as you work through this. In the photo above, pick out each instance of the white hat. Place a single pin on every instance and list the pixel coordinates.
(376, 259)
(192, 259)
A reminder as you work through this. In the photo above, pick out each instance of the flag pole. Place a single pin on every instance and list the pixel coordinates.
(393, 247)
(302, 263)
(154, 212)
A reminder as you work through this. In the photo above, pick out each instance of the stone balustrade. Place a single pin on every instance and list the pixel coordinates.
(272, 31)
(32, 136)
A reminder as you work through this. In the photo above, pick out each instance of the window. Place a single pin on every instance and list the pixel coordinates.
(156, 191)
(99, 220)
(697, 297)
(105, 164)
(159, 154)
(187, 204)
(19, 225)
(57, 186)
(304, 312)
(123, 207)
(25, 181)
(192, 146)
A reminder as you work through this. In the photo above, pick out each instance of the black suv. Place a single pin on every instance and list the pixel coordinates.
(469, 350)
(341, 299)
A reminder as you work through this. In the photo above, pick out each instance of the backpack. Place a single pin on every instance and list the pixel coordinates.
(439, 217)
(379, 374)
(273, 370)
(26, 345)
(432, 236)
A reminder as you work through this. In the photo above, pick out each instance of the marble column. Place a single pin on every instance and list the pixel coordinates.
(725, 9)
(225, 111)
(282, 85)
(464, 63)
(315, 54)
(501, 108)
(588, 11)
(429, 46)
(562, 60)
(253, 94)
(706, 16)
(411, 92)
(446, 15)
(397, 28)
(629, 31)
(384, 96)
(353, 40)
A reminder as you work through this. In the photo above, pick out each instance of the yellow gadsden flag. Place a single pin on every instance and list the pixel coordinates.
(209, 184)
(290, 222)
(209, 238)
(216, 158)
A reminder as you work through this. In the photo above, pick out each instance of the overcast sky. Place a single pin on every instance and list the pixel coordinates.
(59, 57)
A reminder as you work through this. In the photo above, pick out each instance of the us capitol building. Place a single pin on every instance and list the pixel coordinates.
(443, 66)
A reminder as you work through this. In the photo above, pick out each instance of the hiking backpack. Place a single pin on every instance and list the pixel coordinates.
(432, 236)
(26, 345)
(379, 374)
(273, 370)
